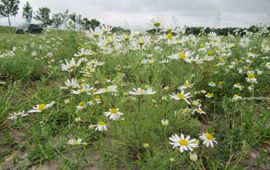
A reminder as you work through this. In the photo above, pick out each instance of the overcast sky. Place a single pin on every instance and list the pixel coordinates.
(138, 13)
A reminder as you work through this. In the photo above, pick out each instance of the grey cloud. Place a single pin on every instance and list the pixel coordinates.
(138, 12)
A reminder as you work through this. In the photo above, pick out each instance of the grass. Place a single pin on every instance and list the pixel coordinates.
(30, 74)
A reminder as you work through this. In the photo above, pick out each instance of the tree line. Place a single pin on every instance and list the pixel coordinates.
(205, 30)
(9, 8)
(43, 15)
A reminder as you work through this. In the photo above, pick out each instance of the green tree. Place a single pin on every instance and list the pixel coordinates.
(90, 24)
(94, 23)
(58, 19)
(43, 15)
(27, 12)
(9, 8)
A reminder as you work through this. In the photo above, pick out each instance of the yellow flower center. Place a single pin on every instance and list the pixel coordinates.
(126, 37)
(82, 104)
(41, 106)
(183, 142)
(101, 123)
(113, 110)
(141, 90)
(251, 76)
(210, 53)
(182, 56)
(186, 84)
(210, 94)
(157, 24)
(169, 36)
(141, 41)
(220, 83)
(181, 96)
(109, 39)
(209, 136)
(222, 60)
(96, 35)
(199, 110)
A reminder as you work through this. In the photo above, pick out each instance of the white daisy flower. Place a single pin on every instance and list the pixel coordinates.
(15, 115)
(113, 114)
(208, 139)
(181, 56)
(140, 91)
(251, 77)
(71, 84)
(83, 88)
(238, 86)
(164, 122)
(101, 126)
(209, 95)
(185, 86)
(236, 97)
(71, 65)
(40, 107)
(212, 84)
(81, 106)
(181, 96)
(193, 156)
(83, 52)
(75, 141)
(198, 110)
(183, 143)
(109, 89)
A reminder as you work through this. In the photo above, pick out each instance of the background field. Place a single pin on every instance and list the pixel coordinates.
(30, 74)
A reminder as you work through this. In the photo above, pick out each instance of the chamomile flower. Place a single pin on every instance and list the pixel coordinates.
(140, 91)
(109, 89)
(212, 84)
(83, 88)
(198, 110)
(83, 52)
(181, 55)
(106, 29)
(251, 78)
(164, 122)
(15, 115)
(71, 84)
(181, 96)
(97, 99)
(236, 97)
(209, 95)
(81, 106)
(71, 65)
(156, 22)
(101, 126)
(208, 139)
(95, 33)
(147, 61)
(238, 86)
(193, 156)
(113, 114)
(185, 86)
(77, 141)
(40, 107)
(183, 143)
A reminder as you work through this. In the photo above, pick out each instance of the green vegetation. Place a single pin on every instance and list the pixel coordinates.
(68, 100)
